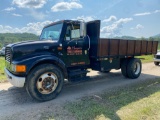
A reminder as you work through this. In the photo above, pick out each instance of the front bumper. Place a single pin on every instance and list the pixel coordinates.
(14, 80)
(156, 60)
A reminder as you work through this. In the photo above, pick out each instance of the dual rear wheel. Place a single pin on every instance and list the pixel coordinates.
(131, 68)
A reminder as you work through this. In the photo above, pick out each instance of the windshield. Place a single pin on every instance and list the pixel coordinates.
(52, 32)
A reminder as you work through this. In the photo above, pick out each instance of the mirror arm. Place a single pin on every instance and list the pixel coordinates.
(82, 29)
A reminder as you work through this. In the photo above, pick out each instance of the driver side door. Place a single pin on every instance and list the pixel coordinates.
(74, 47)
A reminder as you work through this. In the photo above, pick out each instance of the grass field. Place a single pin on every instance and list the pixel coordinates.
(138, 102)
(146, 58)
(2, 64)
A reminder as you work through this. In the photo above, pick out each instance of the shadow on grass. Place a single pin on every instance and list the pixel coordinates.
(105, 105)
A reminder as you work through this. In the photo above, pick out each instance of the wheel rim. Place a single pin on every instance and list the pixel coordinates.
(137, 68)
(47, 83)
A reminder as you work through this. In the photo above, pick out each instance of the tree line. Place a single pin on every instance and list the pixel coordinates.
(7, 38)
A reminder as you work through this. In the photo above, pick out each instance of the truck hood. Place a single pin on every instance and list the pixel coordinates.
(31, 48)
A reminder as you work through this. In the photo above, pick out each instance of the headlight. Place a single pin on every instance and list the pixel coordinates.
(18, 68)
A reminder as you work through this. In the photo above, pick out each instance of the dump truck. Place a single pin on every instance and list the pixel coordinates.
(64, 51)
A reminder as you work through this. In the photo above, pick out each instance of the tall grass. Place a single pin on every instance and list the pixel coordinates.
(146, 58)
(2, 64)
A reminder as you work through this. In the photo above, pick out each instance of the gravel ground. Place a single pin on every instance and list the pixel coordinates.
(16, 104)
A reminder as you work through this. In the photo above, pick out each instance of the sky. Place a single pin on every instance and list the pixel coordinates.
(137, 18)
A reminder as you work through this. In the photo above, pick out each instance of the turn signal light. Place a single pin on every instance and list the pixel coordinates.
(20, 68)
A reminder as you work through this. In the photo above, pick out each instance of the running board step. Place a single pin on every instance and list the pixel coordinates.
(77, 73)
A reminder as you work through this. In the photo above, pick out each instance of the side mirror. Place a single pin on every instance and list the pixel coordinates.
(82, 29)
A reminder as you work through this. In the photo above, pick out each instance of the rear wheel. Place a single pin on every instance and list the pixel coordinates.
(156, 63)
(134, 68)
(124, 68)
(44, 82)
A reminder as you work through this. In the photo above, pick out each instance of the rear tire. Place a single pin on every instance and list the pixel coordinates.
(124, 68)
(134, 68)
(44, 82)
(156, 63)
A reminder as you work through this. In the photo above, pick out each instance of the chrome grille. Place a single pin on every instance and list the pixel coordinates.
(8, 54)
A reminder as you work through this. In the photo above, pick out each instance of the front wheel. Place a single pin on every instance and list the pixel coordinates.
(44, 82)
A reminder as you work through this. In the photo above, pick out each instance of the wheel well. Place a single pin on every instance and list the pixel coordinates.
(64, 71)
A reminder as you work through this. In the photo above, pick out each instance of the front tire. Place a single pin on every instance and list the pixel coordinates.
(44, 82)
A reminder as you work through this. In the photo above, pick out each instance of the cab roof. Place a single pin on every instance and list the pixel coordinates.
(62, 21)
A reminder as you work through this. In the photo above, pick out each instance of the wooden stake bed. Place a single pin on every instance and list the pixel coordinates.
(120, 48)
(117, 48)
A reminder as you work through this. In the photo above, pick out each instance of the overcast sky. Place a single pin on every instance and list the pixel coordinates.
(118, 17)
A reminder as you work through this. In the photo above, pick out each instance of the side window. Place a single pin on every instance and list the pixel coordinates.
(72, 32)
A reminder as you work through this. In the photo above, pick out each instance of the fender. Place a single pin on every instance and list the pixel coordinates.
(41, 59)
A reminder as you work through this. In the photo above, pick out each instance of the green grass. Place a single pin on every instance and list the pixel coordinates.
(2, 64)
(130, 103)
(146, 58)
